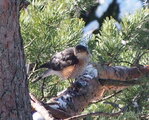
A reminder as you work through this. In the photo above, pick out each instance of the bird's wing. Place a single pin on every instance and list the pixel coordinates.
(61, 60)
(64, 59)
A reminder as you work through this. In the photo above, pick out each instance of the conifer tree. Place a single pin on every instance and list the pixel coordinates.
(51, 26)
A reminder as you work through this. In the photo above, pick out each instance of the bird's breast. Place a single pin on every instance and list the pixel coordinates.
(74, 70)
(68, 71)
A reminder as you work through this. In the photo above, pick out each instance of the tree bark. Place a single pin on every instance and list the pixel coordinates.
(91, 86)
(14, 94)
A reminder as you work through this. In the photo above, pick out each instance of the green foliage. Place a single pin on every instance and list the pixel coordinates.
(47, 28)
(85, 4)
(81, 6)
(126, 116)
(122, 47)
(51, 26)
(129, 116)
(127, 47)
(47, 24)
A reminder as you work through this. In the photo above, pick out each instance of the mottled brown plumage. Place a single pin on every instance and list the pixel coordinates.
(69, 63)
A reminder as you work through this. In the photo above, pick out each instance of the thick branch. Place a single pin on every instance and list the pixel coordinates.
(40, 108)
(90, 87)
(125, 76)
(121, 73)
(45, 110)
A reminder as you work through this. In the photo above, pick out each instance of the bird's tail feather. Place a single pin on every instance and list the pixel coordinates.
(45, 65)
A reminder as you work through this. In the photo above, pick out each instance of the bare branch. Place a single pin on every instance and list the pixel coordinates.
(46, 111)
(139, 55)
(105, 82)
(42, 90)
(120, 72)
(32, 70)
(107, 97)
(114, 105)
(91, 86)
(40, 108)
(29, 44)
(97, 114)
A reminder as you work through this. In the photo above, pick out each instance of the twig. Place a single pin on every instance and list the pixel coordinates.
(29, 44)
(119, 82)
(139, 55)
(108, 97)
(33, 71)
(122, 61)
(97, 114)
(114, 105)
(42, 89)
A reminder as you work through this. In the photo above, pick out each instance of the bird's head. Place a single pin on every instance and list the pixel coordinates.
(81, 51)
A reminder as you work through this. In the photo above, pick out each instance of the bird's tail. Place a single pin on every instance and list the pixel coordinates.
(45, 65)
(44, 75)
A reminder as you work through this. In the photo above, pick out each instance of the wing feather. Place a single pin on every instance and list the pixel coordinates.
(62, 60)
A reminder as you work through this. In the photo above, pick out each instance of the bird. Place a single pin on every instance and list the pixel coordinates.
(67, 64)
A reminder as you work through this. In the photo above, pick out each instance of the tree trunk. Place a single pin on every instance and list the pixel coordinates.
(14, 94)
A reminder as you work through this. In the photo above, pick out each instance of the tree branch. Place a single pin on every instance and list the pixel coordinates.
(40, 108)
(97, 114)
(120, 72)
(107, 97)
(45, 110)
(119, 83)
(91, 86)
